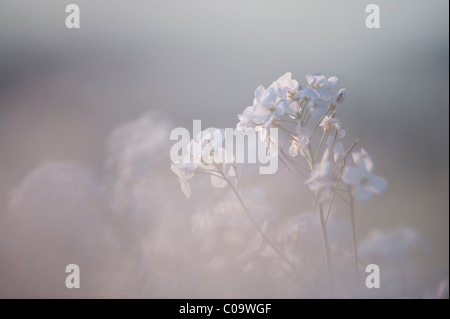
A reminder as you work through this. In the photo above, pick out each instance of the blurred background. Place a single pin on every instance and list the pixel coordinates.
(85, 117)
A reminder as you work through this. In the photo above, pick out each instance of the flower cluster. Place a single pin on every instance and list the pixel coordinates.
(321, 161)
(205, 154)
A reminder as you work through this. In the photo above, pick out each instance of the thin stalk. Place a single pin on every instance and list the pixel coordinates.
(326, 248)
(309, 157)
(354, 242)
(334, 193)
(318, 123)
(320, 145)
(287, 121)
(293, 162)
(259, 230)
(307, 119)
(345, 156)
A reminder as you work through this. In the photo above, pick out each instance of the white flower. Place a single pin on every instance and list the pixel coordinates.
(361, 177)
(267, 106)
(208, 145)
(246, 119)
(205, 154)
(225, 168)
(293, 149)
(336, 147)
(364, 157)
(184, 171)
(287, 90)
(330, 122)
(318, 79)
(265, 98)
(318, 92)
(301, 142)
(339, 97)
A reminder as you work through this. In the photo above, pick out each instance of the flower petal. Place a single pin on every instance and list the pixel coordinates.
(186, 189)
(293, 149)
(351, 175)
(218, 182)
(377, 184)
(362, 194)
(259, 93)
(324, 93)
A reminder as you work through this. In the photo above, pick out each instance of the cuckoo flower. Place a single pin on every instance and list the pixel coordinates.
(361, 178)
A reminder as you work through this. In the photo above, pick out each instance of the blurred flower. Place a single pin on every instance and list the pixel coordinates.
(205, 155)
(394, 247)
(300, 143)
(363, 157)
(267, 106)
(184, 171)
(246, 119)
(330, 122)
(336, 147)
(339, 97)
(318, 92)
(288, 90)
(361, 178)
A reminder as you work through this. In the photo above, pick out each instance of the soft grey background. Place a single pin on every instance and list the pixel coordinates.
(63, 91)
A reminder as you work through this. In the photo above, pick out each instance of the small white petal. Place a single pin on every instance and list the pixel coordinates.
(281, 108)
(309, 93)
(351, 175)
(269, 97)
(218, 182)
(362, 194)
(332, 81)
(293, 149)
(312, 78)
(338, 151)
(259, 93)
(339, 97)
(186, 189)
(285, 77)
(324, 93)
(377, 184)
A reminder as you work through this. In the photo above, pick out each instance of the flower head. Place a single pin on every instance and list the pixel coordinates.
(339, 97)
(318, 92)
(301, 142)
(336, 147)
(288, 91)
(330, 122)
(184, 171)
(361, 178)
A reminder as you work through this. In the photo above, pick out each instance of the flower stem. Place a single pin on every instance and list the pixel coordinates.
(326, 247)
(334, 193)
(320, 145)
(268, 241)
(354, 242)
(318, 123)
(345, 156)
